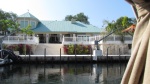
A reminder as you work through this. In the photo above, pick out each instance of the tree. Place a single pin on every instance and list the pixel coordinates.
(69, 17)
(119, 25)
(27, 30)
(7, 21)
(79, 17)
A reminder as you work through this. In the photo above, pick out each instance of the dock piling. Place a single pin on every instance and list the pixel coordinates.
(60, 55)
(45, 55)
(91, 55)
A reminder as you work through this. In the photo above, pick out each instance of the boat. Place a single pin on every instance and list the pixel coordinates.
(5, 61)
(8, 56)
(2, 61)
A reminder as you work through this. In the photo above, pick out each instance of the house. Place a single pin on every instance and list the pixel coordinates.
(54, 31)
(54, 34)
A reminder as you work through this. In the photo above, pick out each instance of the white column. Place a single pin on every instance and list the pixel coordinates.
(60, 37)
(114, 37)
(63, 39)
(74, 37)
(47, 38)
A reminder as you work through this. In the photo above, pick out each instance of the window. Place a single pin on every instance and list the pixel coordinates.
(32, 24)
(23, 24)
(83, 38)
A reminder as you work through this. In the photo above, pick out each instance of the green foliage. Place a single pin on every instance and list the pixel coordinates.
(7, 20)
(79, 17)
(78, 49)
(27, 30)
(70, 49)
(119, 25)
(69, 17)
(22, 48)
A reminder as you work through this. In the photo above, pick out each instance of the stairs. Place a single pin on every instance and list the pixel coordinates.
(51, 49)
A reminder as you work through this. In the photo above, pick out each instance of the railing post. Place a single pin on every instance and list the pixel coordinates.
(76, 40)
(8, 38)
(18, 38)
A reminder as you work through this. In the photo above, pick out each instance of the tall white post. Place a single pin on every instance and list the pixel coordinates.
(74, 37)
(63, 39)
(47, 38)
(60, 37)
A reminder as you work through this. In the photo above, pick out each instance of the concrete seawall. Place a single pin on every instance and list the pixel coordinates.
(72, 58)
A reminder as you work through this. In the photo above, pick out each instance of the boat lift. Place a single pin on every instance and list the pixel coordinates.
(98, 51)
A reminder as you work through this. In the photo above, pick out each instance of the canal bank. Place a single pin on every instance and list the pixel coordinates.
(72, 58)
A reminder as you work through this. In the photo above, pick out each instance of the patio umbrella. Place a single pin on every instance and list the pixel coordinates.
(138, 68)
(130, 29)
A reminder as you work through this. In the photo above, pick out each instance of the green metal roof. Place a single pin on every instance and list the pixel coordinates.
(27, 15)
(65, 26)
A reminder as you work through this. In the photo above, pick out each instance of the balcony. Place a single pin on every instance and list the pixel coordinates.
(20, 40)
(113, 39)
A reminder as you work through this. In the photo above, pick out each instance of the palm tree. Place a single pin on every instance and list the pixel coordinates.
(119, 25)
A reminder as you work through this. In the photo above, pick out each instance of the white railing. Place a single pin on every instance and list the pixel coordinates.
(20, 40)
(90, 40)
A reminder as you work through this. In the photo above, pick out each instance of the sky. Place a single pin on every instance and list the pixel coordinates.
(96, 10)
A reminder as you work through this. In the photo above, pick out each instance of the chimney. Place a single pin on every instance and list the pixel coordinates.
(73, 20)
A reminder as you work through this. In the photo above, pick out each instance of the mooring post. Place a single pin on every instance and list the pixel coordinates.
(119, 54)
(68, 59)
(36, 60)
(91, 61)
(60, 60)
(91, 55)
(75, 55)
(125, 58)
(83, 59)
(45, 55)
(60, 55)
(29, 56)
(107, 54)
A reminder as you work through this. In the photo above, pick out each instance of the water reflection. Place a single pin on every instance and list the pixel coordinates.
(62, 74)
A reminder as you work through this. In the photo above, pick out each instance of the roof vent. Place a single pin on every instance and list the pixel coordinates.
(73, 20)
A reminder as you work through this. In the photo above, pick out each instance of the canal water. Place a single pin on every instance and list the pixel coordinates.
(62, 74)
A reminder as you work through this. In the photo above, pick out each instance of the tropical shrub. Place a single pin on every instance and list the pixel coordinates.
(77, 49)
(22, 48)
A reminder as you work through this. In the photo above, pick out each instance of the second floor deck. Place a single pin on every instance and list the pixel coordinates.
(113, 39)
(20, 40)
